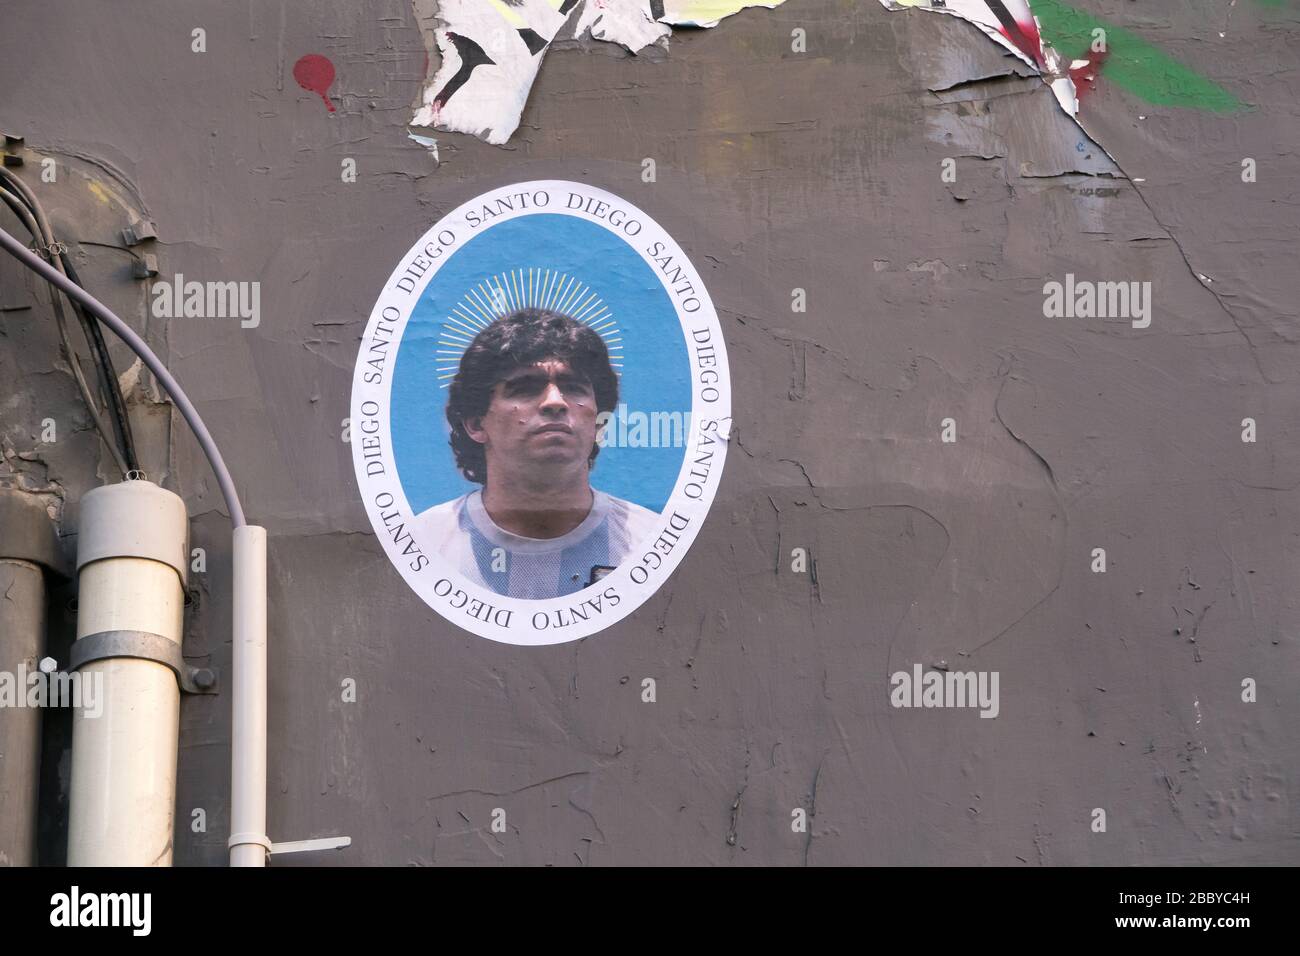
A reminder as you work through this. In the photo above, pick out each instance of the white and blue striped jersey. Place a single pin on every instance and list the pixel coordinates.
(463, 534)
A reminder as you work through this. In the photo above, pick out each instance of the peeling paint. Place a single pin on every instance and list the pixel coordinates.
(1012, 25)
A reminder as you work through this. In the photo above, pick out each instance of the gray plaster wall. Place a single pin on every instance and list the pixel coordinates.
(776, 170)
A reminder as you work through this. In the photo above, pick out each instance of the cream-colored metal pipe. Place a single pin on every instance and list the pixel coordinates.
(132, 544)
(249, 845)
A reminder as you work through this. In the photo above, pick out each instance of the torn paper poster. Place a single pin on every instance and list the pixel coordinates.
(1011, 24)
(702, 13)
(491, 50)
(626, 22)
(428, 142)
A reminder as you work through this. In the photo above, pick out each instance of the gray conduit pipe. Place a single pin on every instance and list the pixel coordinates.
(28, 550)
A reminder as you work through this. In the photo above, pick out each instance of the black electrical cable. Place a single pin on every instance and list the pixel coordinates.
(26, 216)
(141, 348)
(106, 371)
(121, 421)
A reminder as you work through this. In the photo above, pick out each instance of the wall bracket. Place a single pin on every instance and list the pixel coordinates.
(143, 645)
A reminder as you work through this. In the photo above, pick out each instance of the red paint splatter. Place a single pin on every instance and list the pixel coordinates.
(315, 73)
(1085, 76)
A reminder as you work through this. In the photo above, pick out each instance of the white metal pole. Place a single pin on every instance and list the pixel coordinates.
(249, 844)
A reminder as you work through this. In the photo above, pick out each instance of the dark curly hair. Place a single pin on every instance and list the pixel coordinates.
(519, 339)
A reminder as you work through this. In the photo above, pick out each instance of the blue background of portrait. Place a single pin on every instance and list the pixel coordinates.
(655, 374)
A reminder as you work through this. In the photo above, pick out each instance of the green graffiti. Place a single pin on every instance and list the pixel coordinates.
(1132, 63)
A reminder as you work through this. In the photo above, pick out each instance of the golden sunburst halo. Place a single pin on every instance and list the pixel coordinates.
(501, 294)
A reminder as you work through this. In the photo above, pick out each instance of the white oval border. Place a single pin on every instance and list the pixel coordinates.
(427, 579)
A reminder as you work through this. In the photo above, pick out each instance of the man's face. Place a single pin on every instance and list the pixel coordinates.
(539, 414)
